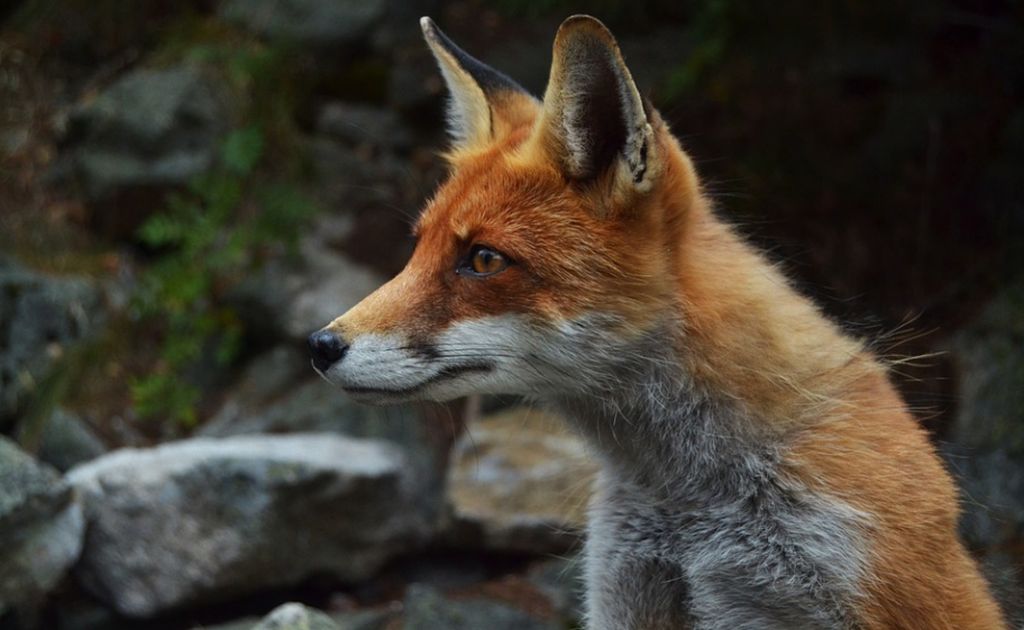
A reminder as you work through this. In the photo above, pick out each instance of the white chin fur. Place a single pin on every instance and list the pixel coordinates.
(477, 356)
(505, 354)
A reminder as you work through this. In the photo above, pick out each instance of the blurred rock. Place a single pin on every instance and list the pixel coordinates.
(401, 25)
(202, 519)
(991, 371)
(520, 482)
(40, 315)
(312, 23)
(381, 194)
(988, 431)
(362, 126)
(415, 83)
(67, 441)
(152, 126)
(986, 442)
(293, 615)
(151, 129)
(355, 179)
(280, 393)
(293, 298)
(428, 609)
(375, 619)
(296, 617)
(41, 527)
(561, 580)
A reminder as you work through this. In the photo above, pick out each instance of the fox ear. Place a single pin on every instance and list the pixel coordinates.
(483, 102)
(593, 117)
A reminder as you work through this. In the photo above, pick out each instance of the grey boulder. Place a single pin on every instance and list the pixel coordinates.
(361, 127)
(66, 441)
(279, 393)
(41, 528)
(429, 609)
(152, 127)
(293, 298)
(985, 446)
(204, 519)
(520, 482)
(315, 23)
(987, 437)
(40, 316)
(294, 616)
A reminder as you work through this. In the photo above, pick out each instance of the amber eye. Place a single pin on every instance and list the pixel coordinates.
(484, 261)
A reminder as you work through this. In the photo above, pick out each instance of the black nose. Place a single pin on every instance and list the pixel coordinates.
(326, 348)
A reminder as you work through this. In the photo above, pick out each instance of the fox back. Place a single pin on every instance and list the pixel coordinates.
(758, 469)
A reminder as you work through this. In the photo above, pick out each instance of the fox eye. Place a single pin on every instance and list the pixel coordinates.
(483, 261)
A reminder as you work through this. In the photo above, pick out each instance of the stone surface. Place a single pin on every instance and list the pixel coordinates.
(428, 609)
(520, 481)
(561, 580)
(152, 127)
(362, 126)
(987, 436)
(293, 298)
(40, 315)
(308, 22)
(294, 616)
(280, 393)
(203, 519)
(41, 527)
(364, 177)
(67, 441)
(985, 448)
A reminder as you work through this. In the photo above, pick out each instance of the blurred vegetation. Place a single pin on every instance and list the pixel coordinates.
(207, 237)
(212, 234)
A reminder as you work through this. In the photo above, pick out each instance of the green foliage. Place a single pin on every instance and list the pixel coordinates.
(213, 233)
(210, 235)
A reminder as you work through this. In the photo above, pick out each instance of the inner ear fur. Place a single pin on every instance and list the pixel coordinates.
(484, 104)
(593, 119)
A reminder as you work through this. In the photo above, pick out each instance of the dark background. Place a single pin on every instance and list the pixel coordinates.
(874, 149)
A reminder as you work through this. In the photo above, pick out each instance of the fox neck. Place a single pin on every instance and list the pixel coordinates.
(661, 430)
(666, 432)
(739, 362)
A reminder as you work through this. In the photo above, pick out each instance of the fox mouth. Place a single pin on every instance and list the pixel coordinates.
(446, 373)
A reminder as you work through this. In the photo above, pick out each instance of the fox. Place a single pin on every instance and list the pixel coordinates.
(757, 467)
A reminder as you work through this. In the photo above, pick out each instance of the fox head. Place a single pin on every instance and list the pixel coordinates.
(547, 255)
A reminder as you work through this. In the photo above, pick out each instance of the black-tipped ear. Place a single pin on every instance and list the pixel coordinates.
(483, 102)
(593, 115)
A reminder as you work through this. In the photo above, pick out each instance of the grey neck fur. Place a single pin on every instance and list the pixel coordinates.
(647, 419)
(752, 547)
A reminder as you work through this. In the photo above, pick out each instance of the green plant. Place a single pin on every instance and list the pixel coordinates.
(214, 233)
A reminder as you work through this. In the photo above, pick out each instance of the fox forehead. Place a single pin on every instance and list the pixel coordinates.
(493, 185)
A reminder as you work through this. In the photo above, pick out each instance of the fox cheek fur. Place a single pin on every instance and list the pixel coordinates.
(758, 469)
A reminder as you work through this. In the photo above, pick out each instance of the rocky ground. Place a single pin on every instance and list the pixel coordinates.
(277, 503)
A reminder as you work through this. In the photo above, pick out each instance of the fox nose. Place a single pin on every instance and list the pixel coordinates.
(326, 349)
